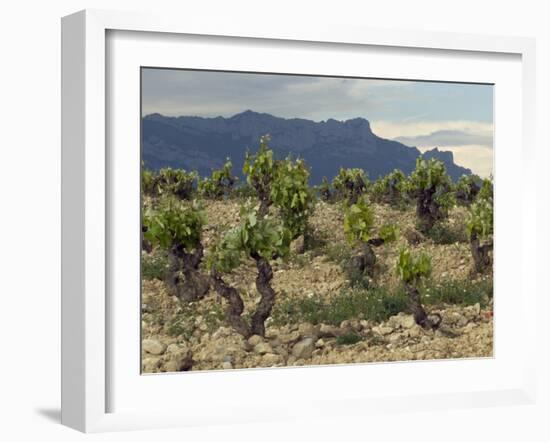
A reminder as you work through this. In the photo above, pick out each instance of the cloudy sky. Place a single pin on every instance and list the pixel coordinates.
(452, 116)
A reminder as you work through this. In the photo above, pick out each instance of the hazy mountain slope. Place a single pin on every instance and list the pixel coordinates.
(204, 144)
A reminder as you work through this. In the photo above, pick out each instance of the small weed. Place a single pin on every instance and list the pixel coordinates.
(153, 266)
(315, 242)
(299, 259)
(444, 233)
(348, 339)
(377, 304)
(337, 253)
(183, 323)
(180, 325)
(465, 292)
(357, 279)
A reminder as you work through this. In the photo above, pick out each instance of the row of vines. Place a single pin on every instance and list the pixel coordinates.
(276, 205)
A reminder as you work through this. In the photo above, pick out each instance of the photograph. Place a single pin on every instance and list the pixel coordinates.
(304, 220)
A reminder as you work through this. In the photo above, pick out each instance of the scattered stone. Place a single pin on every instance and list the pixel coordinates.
(303, 349)
(395, 337)
(444, 331)
(329, 331)
(227, 366)
(290, 338)
(308, 330)
(291, 360)
(320, 343)
(382, 330)
(462, 322)
(180, 361)
(150, 365)
(270, 359)
(401, 321)
(364, 324)
(298, 245)
(152, 346)
(281, 351)
(271, 333)
(415, 331)
(255, 340)
(222, 332)
(413, 236)
(262, 348)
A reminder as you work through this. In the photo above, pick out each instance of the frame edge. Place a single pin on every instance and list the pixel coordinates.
(73, 80)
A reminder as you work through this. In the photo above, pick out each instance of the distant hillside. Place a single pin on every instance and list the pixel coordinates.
(203, 144)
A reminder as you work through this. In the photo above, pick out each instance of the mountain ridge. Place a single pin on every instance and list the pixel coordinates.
(204, 143)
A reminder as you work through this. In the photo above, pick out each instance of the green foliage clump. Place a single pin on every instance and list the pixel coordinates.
(390, 189)
(174, 223)
(430, 185)
(260, 170)
(388, 233)
(480, 218)
(358, 221)
(148, 181)
(291, 194)
(176, 182)
(350, 184)
(244, 191)
(486, 191)
(263, 236)
(220, 184)
(467, 188)
(412, 268)
(479, 225)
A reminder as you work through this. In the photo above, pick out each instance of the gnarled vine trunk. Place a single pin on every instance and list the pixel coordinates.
(481, 253)
(355, 189)
(427, 210)
(267, 300)
(420, 316)
(365, 258)
(194, 285)
(235, 304)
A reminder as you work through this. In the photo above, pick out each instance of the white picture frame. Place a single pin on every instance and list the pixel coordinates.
(86, 315)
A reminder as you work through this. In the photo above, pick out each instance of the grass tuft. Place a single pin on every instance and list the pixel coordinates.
(153, 266)
(376, 304)
(445, 233)
(348, 339)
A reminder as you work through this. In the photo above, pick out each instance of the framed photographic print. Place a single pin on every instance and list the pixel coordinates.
(264, 221)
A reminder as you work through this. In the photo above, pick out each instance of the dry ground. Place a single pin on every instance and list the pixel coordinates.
(181, 337)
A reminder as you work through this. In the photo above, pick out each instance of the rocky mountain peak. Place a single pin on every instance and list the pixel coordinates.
(204, 144)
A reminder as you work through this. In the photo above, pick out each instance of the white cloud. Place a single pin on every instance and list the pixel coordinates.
(394, 129)
(477, 158)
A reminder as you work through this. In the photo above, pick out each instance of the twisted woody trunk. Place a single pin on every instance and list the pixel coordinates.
(235, 304)
(194, 286)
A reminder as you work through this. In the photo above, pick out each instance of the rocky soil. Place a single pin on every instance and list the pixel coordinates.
(468, 333)
(195, 336)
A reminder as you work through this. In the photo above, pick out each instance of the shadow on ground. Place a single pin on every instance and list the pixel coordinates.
(51, 414)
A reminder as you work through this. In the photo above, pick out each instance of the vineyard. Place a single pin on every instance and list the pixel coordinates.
(272, 272)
